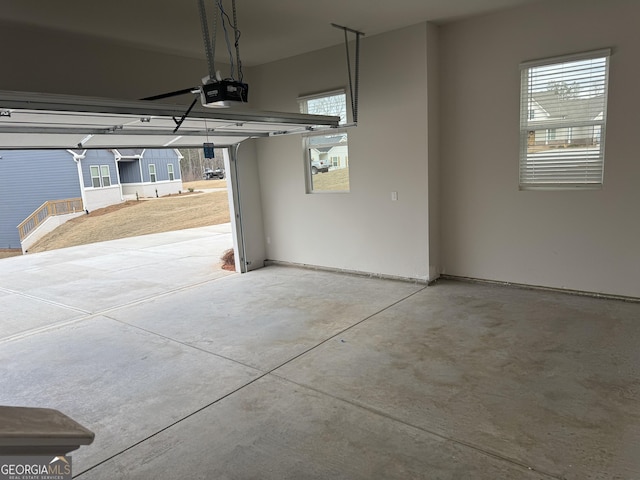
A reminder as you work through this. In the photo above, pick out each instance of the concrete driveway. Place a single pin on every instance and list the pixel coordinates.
(46, 289)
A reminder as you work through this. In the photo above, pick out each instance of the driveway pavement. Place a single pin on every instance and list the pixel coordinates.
(45, 290)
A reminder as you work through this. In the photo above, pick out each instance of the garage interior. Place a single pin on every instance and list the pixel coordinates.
(435, 321)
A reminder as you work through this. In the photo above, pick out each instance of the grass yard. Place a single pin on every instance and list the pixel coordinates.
(332, 180)
(133, 218)
(9, 252)
(204, 184)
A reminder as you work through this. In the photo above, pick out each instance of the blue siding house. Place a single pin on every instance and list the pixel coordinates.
(101, 178)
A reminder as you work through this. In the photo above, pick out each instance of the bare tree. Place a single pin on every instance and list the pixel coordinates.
(564, 90)
(334, 105)
(193, 163)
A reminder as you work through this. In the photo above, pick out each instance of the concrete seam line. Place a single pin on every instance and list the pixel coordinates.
(163, 429)
(422, 429)
(44, 300)
(46, 328)
(344, 330)
(185, 344)
(244, 385)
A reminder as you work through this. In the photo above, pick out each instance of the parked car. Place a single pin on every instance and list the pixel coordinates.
(210, 173)
(320, 166)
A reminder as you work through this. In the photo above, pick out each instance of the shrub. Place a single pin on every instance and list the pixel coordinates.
(228, 260)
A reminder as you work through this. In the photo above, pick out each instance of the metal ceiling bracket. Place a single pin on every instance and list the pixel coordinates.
(209, 45)
(355, 92)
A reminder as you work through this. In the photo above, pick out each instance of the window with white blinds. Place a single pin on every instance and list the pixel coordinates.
(563, 112)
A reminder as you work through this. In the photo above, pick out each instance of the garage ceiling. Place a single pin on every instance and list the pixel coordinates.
(30, 120)
(271, 30)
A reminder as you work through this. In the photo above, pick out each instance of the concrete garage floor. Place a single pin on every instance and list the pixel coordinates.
(186, 371)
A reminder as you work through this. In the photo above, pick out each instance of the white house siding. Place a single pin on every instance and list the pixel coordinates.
(341, 153)
(101, 197)
(159, 189)
(28, 178)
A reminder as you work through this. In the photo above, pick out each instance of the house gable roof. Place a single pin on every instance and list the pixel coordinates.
(130, 152)
(574, 109)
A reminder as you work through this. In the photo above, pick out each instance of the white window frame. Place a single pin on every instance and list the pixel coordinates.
(572, 167)
(306, 144)
(303, 103)
(98, 180)
(153, 176)
(95, 177)
(104, 177)
(172, 175)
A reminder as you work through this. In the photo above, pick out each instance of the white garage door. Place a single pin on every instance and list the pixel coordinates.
(32, 120)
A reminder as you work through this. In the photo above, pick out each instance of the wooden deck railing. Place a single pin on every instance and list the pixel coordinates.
(46, 210)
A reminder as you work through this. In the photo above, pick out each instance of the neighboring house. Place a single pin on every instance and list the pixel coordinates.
(545, 107)
(149, 173)
(330, 148)
(99, 177)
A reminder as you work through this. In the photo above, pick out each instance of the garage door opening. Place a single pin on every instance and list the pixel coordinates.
(82, 126)
(62, 198)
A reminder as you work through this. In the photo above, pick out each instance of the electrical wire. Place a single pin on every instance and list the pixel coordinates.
(226, 37)
(210, 39)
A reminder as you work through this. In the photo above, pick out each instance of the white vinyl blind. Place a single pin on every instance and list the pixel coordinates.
(563, 111)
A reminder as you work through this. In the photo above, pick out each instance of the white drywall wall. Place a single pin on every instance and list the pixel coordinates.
(363, 230)
(580, 240)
